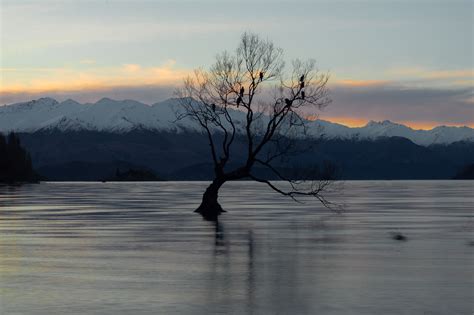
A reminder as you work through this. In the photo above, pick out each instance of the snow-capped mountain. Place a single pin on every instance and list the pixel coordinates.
(374, 130)
(104, 115)
(123, 116)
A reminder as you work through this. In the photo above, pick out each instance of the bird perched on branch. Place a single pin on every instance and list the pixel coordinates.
(288, 102)
(242, 90)
(261, 76)
(302, 78)
(302, 95)
(213, 107)
(302, 81)
(239, 100)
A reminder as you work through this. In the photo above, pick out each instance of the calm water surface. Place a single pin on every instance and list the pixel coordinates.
(137, 248)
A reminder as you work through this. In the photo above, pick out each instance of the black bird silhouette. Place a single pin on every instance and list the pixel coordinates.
(261, 76)
(302, 81)
(302, 95)
(213, 107)
(288, 102)
(239, 99)
(242, 90)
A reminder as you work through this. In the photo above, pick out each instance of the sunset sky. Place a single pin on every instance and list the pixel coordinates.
(406, 61)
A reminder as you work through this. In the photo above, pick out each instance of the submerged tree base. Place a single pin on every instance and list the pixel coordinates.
(210, 208)
(210, 211)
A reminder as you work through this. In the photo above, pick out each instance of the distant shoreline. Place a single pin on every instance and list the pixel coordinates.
(207, 181)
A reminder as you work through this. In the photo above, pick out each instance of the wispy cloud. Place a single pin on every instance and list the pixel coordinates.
(421, 107)
(87, 61)
(421, 75)
(132, 67)
(360, 83)
(355, 102)
(37, 80)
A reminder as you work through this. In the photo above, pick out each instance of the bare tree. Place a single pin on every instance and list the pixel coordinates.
(249, 95)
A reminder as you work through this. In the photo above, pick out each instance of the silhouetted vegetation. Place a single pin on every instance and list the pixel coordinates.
(134, 175)
(466, 173)
(15, 161)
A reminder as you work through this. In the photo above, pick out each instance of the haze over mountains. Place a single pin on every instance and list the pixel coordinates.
(114, 116)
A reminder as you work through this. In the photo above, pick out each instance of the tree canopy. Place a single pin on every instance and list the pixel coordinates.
(15, 161)
(252, 94)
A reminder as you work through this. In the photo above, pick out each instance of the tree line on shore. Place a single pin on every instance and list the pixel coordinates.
(15, 161)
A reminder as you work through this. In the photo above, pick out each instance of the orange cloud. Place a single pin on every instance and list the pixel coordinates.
(131, 67)
(347, 121)
(95, 78)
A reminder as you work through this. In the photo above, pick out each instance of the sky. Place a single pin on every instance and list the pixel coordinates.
(408, 61)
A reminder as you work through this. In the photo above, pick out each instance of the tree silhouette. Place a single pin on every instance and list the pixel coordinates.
(249, 95)
(15, 162)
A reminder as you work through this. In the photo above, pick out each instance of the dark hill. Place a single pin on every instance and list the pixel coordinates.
(91, 155)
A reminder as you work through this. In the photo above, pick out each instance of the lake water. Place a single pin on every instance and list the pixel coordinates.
(137, 248)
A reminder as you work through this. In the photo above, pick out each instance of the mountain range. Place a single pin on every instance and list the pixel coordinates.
(72, 141)
(114, 116)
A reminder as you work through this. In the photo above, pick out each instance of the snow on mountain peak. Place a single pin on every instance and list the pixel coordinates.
(105, 100)
(39, 103)
(384, 124)
(126, 115)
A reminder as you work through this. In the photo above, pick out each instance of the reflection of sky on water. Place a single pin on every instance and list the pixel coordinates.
(80, 248)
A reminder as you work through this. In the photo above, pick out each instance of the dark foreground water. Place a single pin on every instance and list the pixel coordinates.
(137, 248)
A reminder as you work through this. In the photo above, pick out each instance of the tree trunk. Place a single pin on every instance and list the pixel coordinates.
(210, 208)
